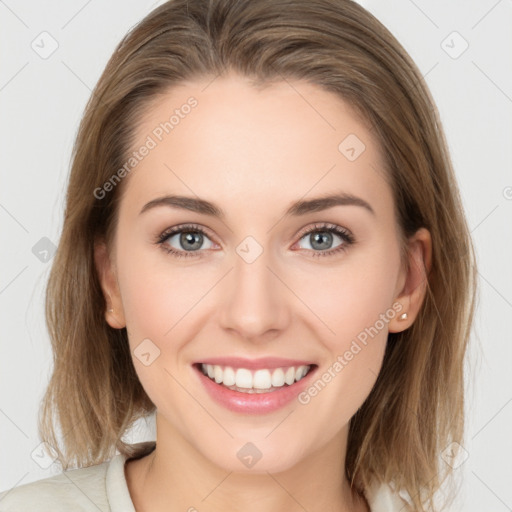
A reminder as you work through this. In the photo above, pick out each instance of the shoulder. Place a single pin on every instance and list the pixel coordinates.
(383, 497)
(99, 488)
(80, 490)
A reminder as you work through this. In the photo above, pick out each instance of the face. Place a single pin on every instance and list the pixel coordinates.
(264, 280)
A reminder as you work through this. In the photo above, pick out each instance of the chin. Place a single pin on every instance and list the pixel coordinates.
(254, 457)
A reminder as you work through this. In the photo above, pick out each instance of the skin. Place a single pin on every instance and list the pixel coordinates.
(255, 152)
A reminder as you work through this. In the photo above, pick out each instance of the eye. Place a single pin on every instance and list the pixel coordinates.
(184, 241)
(187, 240)
(320, 239)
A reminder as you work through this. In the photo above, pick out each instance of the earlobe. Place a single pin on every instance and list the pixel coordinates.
(114, 314)
(413, 292)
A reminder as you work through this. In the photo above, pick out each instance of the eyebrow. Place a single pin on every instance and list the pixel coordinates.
(299, 208)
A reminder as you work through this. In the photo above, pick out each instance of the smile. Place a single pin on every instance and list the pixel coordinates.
(259, 381)
(254, 387)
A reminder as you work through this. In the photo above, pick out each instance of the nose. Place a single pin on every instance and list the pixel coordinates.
(255, 303)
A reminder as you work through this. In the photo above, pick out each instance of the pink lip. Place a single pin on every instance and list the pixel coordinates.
(253, 403)
(254, 364)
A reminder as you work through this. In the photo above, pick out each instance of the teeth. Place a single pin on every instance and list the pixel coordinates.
(278, 378)
(262, 380)
(289, 376)
(229, 378)
(257, 380)
(243, 378)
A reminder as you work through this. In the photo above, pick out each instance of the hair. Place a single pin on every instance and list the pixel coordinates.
(416, 407)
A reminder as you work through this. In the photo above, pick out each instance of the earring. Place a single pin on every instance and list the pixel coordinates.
(403, 316)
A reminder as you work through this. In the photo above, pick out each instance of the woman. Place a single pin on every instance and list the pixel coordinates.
(228, 145)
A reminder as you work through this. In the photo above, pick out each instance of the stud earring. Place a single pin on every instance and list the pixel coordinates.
(403, 316)
(110, 310)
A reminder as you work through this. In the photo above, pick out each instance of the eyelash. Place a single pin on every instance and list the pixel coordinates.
(345, 235)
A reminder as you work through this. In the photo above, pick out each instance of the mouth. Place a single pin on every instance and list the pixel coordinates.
(264, 380)
(256, 387)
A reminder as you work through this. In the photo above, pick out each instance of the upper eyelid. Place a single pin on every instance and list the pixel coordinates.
(184, 227)
(318, 226)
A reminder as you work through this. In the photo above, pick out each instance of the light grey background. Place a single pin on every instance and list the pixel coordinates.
(42, 99)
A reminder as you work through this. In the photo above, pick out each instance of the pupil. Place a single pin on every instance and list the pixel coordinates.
(321, 237)
(189, 238)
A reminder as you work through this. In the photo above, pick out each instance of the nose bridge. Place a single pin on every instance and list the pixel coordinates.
(255, 300)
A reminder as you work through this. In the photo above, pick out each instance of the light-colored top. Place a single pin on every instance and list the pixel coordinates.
(103, 488)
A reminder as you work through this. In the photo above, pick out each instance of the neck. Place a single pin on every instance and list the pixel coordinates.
(175, 476)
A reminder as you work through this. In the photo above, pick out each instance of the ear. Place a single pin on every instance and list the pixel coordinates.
(413, 280)
(114, 315)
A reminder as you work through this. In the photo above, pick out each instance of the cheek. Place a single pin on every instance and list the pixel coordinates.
(355, 303)
(352, 298)
(160, 305)
(158, 295)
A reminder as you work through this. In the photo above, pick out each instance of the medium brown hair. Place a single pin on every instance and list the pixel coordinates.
(416, 407)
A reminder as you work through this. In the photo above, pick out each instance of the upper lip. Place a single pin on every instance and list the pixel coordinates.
(254, 364)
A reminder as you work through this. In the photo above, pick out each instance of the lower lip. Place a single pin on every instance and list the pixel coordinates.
(253, 403)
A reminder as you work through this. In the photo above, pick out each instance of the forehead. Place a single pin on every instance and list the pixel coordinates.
(228, 140)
